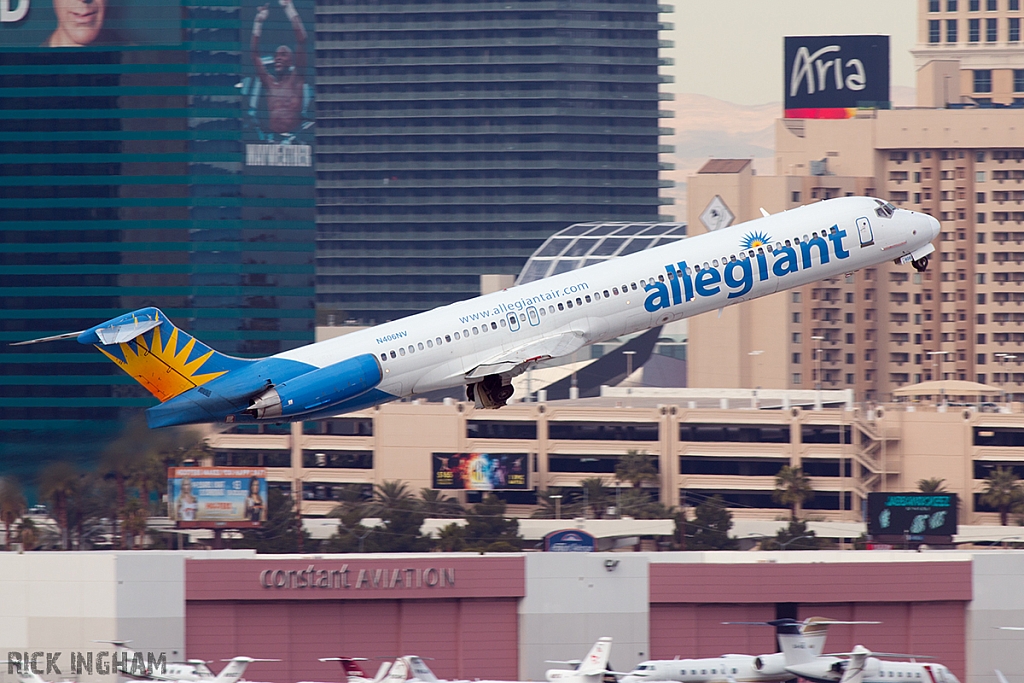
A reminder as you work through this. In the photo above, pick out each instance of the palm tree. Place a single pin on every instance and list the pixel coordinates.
(58, 482)
(12, 506)
(595, 496)
(28, 534)
(118, 463)
(434, 503)
(933, 485)
(1003, 492)
(792, 489)
(567, 505)
(390, 495)
(636, 469)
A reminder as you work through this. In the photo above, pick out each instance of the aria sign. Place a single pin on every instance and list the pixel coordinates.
(381, 578)
(830, 77)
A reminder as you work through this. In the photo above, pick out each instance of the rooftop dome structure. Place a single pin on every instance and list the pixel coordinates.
(584, 244)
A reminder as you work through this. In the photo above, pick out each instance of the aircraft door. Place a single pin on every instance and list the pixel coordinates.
(533, 316)
(513, 322)
(867, 238)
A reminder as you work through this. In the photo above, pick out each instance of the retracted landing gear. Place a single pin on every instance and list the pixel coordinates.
(920, 264)
(490, 392)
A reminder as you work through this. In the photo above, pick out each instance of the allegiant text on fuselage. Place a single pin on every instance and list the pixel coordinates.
(738, 275)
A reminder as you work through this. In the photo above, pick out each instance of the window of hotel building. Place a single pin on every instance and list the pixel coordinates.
(991, 5)
(850, 338)
(933, 5)
(1014, 5)
(797, 378)
(979, 177)
(974, 5)
(796, 337)
(1013, 32)
(934, 31)
(983, 80)
(796, 196)
(1018, 80)
(980, 218)
(950, 5)
(991, 30)
(973, 30)
(950, 30)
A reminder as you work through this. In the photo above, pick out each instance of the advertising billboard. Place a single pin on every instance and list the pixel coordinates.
(89, 23)
(217, 497)
(830, 77)
(911, 516)
(570, 541)
(480, 471)
(278, 112)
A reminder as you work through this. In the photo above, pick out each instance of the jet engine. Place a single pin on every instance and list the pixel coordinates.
(490, 392)
(770, 665)
(318, 389)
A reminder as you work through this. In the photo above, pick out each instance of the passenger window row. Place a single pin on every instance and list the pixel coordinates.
(615, 291)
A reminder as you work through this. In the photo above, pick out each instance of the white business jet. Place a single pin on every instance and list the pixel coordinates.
(135, 665)
(591, 669)
(799, 642)
(860, 665)
(482, 343)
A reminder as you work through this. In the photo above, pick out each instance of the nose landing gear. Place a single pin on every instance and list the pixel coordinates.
(920, 264)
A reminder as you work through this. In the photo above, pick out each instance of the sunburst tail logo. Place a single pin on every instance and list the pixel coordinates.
(755, 239)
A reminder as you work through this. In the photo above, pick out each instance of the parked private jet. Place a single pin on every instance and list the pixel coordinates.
(180, 672)
(799, 642)
(860, 665)
(484, 342)
(354, 673)
(591, 669)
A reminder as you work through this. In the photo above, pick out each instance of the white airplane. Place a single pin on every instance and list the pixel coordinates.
(799, 642)
(484, 342)
(138, 667)
(189, 670)
(591, 669)
(860, 665)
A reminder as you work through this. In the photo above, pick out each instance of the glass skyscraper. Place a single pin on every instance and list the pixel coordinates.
(453, 138)
(139, 169)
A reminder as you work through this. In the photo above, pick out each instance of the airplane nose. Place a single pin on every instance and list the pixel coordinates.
(935, 226)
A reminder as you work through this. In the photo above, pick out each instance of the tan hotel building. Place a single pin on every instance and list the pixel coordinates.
(700, 448)
(889, 326)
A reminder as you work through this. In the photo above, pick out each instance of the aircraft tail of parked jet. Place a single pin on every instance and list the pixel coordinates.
(591, 669)
(355, 673)
(236, 667)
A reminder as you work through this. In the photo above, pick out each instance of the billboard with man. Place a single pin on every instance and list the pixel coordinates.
(89, 23)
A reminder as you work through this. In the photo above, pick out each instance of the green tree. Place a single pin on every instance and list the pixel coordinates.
(281, 533)
(436, 505)
(595, 496)
(932, 485)
(636, 469)
(1003, 492)
(352, 533)
(451, 538)
(488, 529)
(639, 504)
(795, 536)
(710, 527)
(567, 507)
(792, 489)
(12, 506)
(58, 484)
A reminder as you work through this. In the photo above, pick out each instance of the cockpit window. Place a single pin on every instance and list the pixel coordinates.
(885, 209)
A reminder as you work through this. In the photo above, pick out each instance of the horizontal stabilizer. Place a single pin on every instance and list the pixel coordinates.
(119, 334)
(56, 337)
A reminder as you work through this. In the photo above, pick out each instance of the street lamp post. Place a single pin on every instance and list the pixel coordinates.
(558, 505)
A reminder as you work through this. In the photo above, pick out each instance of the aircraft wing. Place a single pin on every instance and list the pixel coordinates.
(515, 362)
